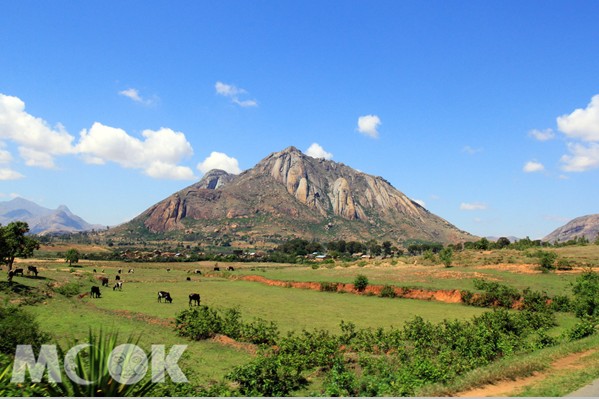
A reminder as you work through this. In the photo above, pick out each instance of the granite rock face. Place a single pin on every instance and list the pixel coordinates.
(291, 194)
(584, 226)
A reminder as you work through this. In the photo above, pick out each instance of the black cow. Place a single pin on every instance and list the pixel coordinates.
(130, 271)
(32, 269)
(118, 286)
(104, 281)
(168, 270)
(18, 271)
(194, 298)
(94, 270)
(95, 292)
(216, 269)
(188, 278)
(198, 271)
(117, 277)
(120, 271)
(231, 268)
(164, 295)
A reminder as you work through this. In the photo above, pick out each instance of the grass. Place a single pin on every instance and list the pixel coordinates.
(555, 383)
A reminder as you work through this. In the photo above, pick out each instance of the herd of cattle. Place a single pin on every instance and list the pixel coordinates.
(194, 298)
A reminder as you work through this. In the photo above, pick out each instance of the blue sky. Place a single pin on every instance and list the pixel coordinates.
(486, 112)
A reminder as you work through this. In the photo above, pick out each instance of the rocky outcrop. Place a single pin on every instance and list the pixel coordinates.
(291, 194)
(584, 226)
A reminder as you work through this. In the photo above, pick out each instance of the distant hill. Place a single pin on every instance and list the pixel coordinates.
(584, 226)
(289, 194)
(43, 220)
(495, 238)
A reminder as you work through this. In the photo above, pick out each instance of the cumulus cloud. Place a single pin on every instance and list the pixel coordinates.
(542, 135)
(9, 174)
(473, 206)
(582, 124)
(134, 95)
(33, 135)
(420, 202)
(157, 155)
(581, 157)
(368, 125)
(316, 151)
(533, 166)
(219, 160)
(5, 156)
(233, 93)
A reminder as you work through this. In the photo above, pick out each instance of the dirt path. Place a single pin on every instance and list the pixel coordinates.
(505, 388)
(447, 296)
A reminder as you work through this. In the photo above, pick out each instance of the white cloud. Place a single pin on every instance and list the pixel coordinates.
(10, 195)
(420, 202)
(5, 156)
(542, 135)
(134, 95)
(470, 150)
(33, 135)
(158, 154)
(219, 160)
(9, 174)
(368, 125)
(582, 124)
(473, 206)
(581, 158)
(533, 166)
(316, 151)
(232, 92)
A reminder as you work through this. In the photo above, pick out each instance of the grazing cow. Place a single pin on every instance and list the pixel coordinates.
(130, 271)
(18, 271)
(194, 298)
(164, 295)
(188, 278)
(231, 268)
(168, 270)
(32, 269)
(104, 281)
(94, 270)
(120, 271)
(118, 286)
(198, 271)
(117, 277)
(102, 270)
(216, 269)
(95, 292)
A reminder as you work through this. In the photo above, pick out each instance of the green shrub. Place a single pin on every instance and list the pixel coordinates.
(198, 323)
(259, 332)
(561, 303)
(362, 263)
(584, 328)
(546, 260)
(314, 266)
(564, 264)
(388, 292)
(329, 287)
(360, 282)
(17, 327)
(69, 289)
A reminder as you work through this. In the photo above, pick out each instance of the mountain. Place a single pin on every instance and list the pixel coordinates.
(584, 226)
(289, 194)
(43, 220)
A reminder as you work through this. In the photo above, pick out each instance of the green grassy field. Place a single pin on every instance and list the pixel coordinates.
(136, 311)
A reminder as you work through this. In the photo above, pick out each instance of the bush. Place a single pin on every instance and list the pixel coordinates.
(561, 303)
(329, 287)
(546, 260)
(18, 327)
(584, 328)
(388, 292)
(360, 282)
(586, 291)
(69, 289)
(564, 264)
(199, 323)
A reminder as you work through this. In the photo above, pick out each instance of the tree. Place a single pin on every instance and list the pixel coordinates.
(503, 242)
(72, 256)
(446, 255)
(586, 291)
(387, 248)
(547, 260)
(361, 282)
(14, 243)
